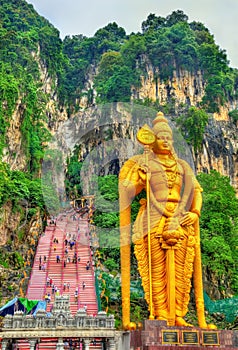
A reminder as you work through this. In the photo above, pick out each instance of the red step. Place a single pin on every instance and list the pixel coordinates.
(73, 273)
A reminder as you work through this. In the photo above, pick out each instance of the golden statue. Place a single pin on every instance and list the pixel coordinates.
(166, 231)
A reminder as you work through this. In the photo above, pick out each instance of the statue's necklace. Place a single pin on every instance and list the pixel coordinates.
(170, 171)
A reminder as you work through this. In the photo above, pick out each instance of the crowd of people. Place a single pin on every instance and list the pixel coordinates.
(69, 255)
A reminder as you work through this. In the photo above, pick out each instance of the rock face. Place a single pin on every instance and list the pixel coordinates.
(113, 138)
(220, 145)
(219, 151)
(9, 222)
(114, 127)
(184, 89)
(13, 153)
(18, 241)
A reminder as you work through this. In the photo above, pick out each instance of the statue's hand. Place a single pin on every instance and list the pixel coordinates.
(188, 218)
(143, 171)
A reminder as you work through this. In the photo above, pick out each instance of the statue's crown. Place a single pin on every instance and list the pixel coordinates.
(160, 124)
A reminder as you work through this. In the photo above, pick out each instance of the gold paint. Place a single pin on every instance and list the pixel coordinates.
(166, 230)
(151, 316)
(145, 135)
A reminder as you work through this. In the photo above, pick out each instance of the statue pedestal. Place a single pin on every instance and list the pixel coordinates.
(156, 335)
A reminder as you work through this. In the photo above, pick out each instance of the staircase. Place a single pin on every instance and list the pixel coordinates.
(65, 272)
(36, 285)
(47, 344)
(88, 294)
(55, 268)
(66, 275)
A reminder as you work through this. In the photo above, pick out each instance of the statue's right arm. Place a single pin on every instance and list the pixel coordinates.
(129, 185)
(131, 178)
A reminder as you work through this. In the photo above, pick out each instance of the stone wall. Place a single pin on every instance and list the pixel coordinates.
(155, 335)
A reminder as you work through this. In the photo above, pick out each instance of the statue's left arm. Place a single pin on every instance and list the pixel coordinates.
(197, 274)
(193, 216)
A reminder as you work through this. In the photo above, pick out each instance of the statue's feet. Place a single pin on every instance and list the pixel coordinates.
(211, 326)
(161, 318)
(207, 326)
(130, 326)
(182, 323)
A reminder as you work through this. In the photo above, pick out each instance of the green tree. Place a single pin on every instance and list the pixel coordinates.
(152, 23)
(8, 98)
(133, 49)
(109, 38)
(202, 34)
(174, 47)
(176, 17)
(114, 80)
(109, 64)
(234, 116)
(73, 182)
(219, 228)
(192, 126)
(79, 53)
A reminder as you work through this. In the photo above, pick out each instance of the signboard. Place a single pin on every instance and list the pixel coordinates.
(210, 338)
(170, 337)
(190, 337)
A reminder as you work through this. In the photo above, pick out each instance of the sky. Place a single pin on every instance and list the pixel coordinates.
(72, 17)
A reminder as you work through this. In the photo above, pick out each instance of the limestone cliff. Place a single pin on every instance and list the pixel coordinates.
(219, 146)
(219, 151)
(184, 89)
(18, 242)
(14, 153)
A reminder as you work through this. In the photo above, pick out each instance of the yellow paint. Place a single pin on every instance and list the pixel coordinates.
(166, 230)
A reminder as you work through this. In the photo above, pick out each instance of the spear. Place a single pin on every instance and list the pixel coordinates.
(146, 137)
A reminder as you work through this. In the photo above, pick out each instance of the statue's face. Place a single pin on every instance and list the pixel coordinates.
(163, 143)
